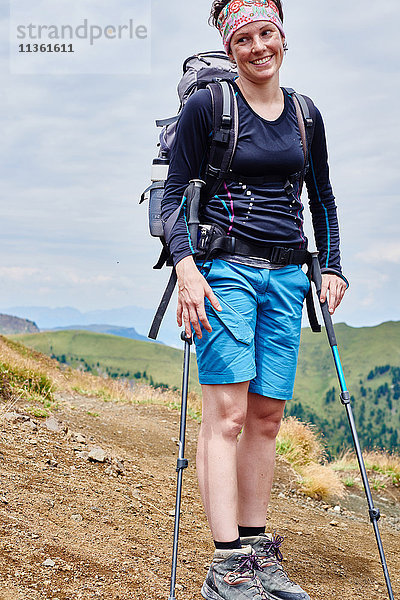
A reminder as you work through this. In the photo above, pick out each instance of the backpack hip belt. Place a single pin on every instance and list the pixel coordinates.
(212, 242)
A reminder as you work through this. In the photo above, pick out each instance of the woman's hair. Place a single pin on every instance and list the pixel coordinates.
(218, 5)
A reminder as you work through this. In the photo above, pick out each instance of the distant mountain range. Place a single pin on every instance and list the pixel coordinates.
(10, 325)
(133, 318)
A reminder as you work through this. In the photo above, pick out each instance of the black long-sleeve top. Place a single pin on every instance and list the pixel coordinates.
(263, 213)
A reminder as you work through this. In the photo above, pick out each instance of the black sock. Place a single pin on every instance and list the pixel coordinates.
(250, 531)
(236, 544)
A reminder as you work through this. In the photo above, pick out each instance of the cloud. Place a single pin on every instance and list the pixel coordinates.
(18, 274)
(382, 252)
(42, 276)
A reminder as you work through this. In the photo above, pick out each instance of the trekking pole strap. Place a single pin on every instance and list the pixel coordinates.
(158, 317)
(317, 279)
(191, 197)
(311, 314)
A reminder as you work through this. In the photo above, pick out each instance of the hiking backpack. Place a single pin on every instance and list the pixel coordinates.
(214, 71)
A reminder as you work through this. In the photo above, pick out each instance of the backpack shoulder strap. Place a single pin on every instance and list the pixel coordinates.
(225, 134)
(306, 113)
(309, 113)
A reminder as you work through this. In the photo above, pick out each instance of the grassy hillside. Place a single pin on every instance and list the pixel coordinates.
(370, 358)
(35, 379)
(115, 356)
(371, 361)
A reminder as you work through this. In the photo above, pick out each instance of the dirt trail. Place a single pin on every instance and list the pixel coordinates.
(108, 536)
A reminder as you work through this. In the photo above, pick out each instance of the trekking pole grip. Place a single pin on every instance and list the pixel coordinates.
(186, 338)
(317, 279)
(193, 206)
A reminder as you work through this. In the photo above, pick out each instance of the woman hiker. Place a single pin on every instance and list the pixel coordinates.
(245, 310)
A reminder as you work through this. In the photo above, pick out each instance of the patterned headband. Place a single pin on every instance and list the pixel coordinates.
(240, 12)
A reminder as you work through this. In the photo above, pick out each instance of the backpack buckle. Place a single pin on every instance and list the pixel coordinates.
(222, 137)
(281, 256)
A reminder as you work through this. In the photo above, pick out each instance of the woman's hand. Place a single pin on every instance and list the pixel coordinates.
(336, 286)
(192, 288)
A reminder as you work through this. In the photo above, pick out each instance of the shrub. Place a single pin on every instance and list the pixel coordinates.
(299, 442)
(301, 445)
(5, 387)
(320, 482)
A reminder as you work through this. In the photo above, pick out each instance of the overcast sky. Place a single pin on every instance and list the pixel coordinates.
(76, 153)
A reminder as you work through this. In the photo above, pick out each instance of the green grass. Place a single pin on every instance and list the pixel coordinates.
(39, 413)
(349, 481)
(378, 485)
(25, 381)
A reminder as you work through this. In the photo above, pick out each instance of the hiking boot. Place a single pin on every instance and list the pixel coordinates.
(232, 576)
(270, 571)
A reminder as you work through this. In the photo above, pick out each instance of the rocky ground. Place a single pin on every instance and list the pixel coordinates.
(86, 511)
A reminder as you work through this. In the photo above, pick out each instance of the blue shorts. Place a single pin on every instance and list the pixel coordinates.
(256, 336)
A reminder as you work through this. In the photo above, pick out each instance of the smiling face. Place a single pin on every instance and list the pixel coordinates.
(257, 49)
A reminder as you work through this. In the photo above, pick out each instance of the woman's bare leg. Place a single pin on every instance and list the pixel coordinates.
(223, 416)
(256, 458)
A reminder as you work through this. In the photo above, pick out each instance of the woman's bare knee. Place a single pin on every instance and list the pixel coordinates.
(264, 415)
(224, 409)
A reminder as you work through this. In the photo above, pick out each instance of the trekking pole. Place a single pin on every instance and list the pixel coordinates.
(182, 462)
(374, 513)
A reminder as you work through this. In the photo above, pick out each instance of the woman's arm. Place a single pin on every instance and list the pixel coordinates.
(188, 160)
(324, 217)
